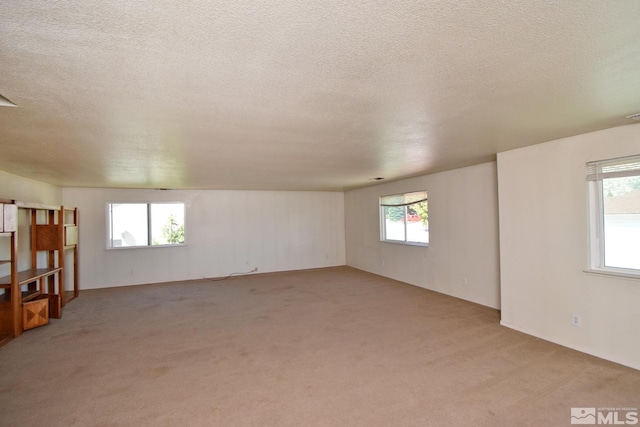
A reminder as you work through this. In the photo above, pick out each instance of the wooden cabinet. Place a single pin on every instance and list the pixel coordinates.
(33, 295)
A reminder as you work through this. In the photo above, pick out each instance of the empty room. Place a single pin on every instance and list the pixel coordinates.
(303, 213)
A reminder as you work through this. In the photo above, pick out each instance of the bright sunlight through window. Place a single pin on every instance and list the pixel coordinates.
(146, 224)
(614, 190)
(404, 218)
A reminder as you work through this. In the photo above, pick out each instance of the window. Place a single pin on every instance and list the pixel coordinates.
(614, 196)
(146, 224)
(404, 218)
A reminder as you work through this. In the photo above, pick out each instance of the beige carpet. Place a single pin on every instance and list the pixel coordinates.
(326, 347)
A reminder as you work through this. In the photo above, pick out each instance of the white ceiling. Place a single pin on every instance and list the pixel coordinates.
(302, 94)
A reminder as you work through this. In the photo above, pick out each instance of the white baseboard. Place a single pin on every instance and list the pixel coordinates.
(604, 356)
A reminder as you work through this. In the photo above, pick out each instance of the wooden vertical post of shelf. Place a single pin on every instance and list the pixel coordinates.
(32, 286)
(76, 288)
(34, 239)
(61, 291)
(16, 293)
(51, 255)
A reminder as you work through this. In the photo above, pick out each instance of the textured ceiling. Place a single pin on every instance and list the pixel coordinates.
(302, 94)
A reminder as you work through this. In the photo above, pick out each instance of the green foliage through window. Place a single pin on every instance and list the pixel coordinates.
(405, 218)
(172, 231)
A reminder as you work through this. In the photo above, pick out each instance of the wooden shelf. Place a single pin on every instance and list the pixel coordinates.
(26, 296)
(31, 297)
(31, 275)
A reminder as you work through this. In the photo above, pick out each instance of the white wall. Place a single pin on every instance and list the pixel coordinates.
(226, 232)
(28, 190)
(463, 222)
(544, 248)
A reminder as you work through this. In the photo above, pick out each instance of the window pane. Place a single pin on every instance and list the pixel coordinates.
(129, 224)
(405, 218)
(167, 223)
(418, 223)
(394, 223)
(621, 197)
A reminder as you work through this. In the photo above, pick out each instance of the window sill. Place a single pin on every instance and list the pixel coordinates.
(614, 274)
(398, 242)
(117, 248)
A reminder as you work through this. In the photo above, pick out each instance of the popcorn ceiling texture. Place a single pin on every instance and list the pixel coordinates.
(301, 95)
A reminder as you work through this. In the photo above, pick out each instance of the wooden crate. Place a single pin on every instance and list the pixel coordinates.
(35, 313)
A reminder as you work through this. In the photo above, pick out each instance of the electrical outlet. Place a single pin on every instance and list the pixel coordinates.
(465, 282)
(576, 320)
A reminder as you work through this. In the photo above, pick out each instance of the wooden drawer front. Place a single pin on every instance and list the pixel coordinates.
(46, 237)
(35, 313)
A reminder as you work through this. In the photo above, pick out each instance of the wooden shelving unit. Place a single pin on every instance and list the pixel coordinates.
(33, 295)
(11, 304)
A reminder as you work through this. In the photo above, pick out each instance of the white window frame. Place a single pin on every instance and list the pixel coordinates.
(149, 244)
(598, 171)
(405, 204)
